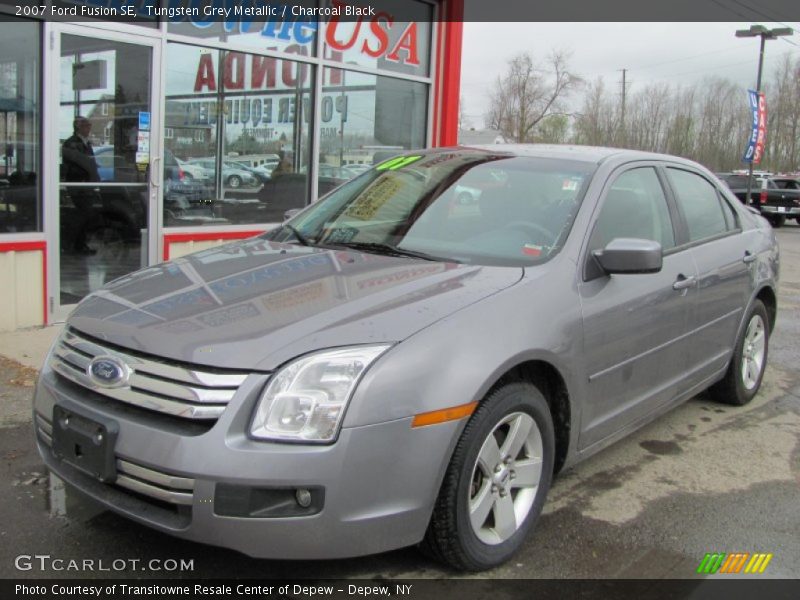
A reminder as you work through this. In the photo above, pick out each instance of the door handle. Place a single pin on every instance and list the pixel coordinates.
(683, 283)
(748, 257)
(154, 172)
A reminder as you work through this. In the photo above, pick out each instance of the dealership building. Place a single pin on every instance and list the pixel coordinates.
(203, 128)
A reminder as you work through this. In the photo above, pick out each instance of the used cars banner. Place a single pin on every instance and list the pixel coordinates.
(758, 138)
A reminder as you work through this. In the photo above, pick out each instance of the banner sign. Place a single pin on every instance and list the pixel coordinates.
(758, 137)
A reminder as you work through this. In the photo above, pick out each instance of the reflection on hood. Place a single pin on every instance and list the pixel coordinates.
(240, 303)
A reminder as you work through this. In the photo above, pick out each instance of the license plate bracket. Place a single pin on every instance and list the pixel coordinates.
(85, 442)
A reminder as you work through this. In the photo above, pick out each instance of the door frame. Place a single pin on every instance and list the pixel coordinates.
(51, 83)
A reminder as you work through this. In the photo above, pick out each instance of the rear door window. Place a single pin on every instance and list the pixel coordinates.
(701, 205)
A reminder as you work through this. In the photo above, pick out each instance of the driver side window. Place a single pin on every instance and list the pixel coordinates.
(634, 207)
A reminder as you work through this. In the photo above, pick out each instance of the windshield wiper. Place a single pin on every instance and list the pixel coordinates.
(389, 250)
(300, 237)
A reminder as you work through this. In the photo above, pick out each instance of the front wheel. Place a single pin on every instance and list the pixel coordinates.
(234, 181)
(749, 361)
(497, 480)
(777, 221)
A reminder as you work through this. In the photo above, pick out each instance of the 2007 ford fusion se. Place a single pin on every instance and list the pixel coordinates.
(400, 364)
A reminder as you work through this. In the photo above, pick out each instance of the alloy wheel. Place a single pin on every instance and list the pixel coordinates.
(753, 351)
(505, 478)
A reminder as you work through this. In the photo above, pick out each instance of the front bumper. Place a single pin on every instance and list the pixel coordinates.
(380, 481)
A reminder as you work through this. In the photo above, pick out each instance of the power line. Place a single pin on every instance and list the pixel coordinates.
(757, 12)
(763, 14)
(734, 11)
(668, 62)
(738, 64)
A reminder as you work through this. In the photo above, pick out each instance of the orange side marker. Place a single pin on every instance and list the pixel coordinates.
(443, 416)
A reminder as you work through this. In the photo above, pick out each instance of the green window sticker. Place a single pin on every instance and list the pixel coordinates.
(397, 163)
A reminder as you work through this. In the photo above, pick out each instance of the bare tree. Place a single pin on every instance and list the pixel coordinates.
(528, 93)
(596, 123)
(783, 130)
(682, 124)
(553, 129)
(463, 120)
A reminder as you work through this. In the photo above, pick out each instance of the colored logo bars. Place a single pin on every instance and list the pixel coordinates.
(734, 564)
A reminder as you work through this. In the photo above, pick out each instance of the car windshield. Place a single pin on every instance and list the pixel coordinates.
(463, 206)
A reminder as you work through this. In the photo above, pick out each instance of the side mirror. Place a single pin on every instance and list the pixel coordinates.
(290, 213)
(629, 255)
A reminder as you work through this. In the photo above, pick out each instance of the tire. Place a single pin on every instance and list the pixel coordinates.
(452, 536)
(746, 369)
(234, 181)
(797, 219)
(777, 222)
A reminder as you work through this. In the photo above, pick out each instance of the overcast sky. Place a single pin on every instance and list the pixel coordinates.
(677, 53)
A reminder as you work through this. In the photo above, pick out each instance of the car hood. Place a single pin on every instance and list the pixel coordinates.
(255, 304)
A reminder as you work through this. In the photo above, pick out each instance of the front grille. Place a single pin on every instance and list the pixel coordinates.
(153, 495)
(164, 487)
(171, 489)
(45, 429)
(154, 385)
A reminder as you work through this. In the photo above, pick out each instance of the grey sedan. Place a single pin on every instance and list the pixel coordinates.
(393, 367)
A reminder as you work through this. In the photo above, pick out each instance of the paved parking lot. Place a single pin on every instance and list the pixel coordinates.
(702, 478)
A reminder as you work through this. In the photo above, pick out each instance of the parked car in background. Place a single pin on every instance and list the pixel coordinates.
(354, 170)
(258, 174)
(777, 198)
(382, 370)
(233, 177)
(112, 167)
(266, 168)
(334, 172)
(195, 171)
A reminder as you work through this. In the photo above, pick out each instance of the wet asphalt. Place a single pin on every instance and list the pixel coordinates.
(703, 478)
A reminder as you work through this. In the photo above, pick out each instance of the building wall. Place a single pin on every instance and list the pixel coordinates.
(181, 244)
(179, 249)
(22, 282)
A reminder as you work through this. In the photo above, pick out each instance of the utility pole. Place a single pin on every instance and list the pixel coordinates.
(765, 34)
(622, 117)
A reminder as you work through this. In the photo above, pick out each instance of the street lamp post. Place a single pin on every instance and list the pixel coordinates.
(765, 34)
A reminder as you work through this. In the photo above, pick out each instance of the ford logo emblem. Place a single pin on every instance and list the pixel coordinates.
(108, 371)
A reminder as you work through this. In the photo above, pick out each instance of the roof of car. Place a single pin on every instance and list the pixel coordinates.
(595, 154)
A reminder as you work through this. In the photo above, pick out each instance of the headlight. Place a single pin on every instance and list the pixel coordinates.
(305, 401)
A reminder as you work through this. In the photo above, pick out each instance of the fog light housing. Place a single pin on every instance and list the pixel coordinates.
(244, 501)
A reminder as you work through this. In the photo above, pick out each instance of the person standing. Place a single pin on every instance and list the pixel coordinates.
(80, 166)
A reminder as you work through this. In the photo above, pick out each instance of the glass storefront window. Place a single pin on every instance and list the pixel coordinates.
(104, 93)
(20, 135)
(238, 126)
(366, 119)
(397, 38)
